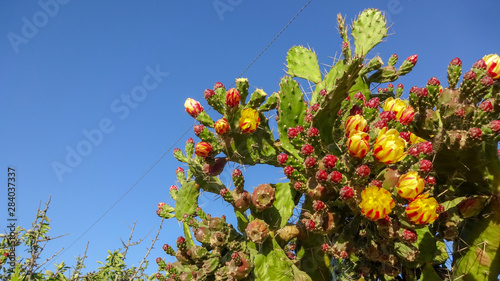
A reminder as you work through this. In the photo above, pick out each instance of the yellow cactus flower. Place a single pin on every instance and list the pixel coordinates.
(410, 185)
(376, 203)
(203, 149)
(355, 123)
(396, 105)
(406, 116)
(389, 148)
(249, 120)
(221, 126)
(357, 144)
(492, 65)
(422, 210)
(414, 139)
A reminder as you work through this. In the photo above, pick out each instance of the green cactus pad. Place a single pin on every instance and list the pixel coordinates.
(291, 112)
(368, 30)
(270, 103)
(271, 263)
(189, 193)
(302, 62)
(257, 98)
(242, 87)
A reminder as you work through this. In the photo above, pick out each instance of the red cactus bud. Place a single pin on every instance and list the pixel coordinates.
(310, 162)
(176, 150)
(456, 62)
(433, 82)
(376, 183)
(218, 85)
(405, 136)
(208, 93)
(487, 81)
(203, 149)
(179, 170)
(480, 64)
(425, 147)
(410, 236)
(425, 165)
(412, 59)
(495, 126)
(288, 171)
(390, 87)
(430, 180)
(363, 171)
(159, 260)
(174, 187)
(161, 204)
(373, 103)
(346, 193)
(282, 158)
(355, 110)
(440, 209)
(345, 45)
(221, 126)
(310, 225)
(233, 97)
(475, 133)
(323, 92)
(380, 124)
(329, 161)
(312, 132)
(321, 175)
(360, 96)
(486, 106)
(299, 129)
(236, 173)
(414, 151)
(460, 112)
(339, 113)
(423, 93)
(190, 140)
(307, 149)
(335, 177)
(400, 86)
(297, 185)
(308, 118)
(223, 192)
(324, 247)
(315, 107)
(292, 133)
(414, 90)
(198, 129)
(318, 205)
(470, 75)
(387, 116)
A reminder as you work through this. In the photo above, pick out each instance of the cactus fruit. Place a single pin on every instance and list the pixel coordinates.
(380, 181)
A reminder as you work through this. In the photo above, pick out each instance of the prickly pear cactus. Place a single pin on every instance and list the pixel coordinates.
(382, 183)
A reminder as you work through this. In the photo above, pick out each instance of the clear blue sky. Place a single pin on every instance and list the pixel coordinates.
(69, 69)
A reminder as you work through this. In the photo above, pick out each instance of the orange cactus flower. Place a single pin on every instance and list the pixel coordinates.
(410, 185)
(193, 107)
(232, 97)
(357, 144)
(203, 149)
(355, 123)
(249, 120)
(406, 116)
(492, 65)
(422, 210)
(376, 202)
(389, 147)
(221, 126)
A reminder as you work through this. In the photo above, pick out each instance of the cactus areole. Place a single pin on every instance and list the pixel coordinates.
(373, 184)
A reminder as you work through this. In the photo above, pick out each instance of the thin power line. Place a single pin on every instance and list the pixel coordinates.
(175, 143)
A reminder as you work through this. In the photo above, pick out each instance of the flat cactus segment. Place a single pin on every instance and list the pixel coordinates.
(189, 193)
(242, 87)
(368, 30)
(257, 98)
(336, 71)
(292, 109)
(187, 235)
(271, 263)
(270, 103)
(303, 63)
(330, 106)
